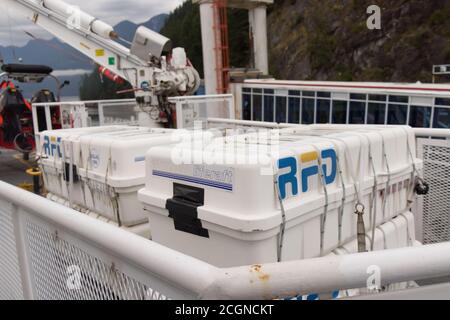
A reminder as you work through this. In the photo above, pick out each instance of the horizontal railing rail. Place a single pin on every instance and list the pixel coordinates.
(41, 104)
(50, 237)
(160, 269)
(43, 245)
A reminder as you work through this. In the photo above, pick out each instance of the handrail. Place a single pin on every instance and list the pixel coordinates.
(327, 274)
(250, 123)
(211, 97)
(438, 133)
(267, 281)
(42, 104)
(174, 267)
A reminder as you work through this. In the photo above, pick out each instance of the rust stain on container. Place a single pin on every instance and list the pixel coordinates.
(264, 277)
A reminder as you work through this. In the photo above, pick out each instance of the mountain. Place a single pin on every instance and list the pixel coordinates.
(329, 39)
(127, 29)
(183, 28)
(61, 56)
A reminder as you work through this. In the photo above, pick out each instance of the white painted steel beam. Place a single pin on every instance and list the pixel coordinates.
(258, 31)
(268, 281)
(325, 275)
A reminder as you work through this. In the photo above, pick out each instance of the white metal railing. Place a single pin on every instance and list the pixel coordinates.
(77, 114)
(193, 108)
(433, 210)
(48, 251)
(44, 244)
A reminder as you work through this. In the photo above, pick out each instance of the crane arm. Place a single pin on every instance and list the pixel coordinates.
(154, 70)
(102, 50)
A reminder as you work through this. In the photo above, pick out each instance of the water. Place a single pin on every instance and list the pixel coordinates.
(70, 98)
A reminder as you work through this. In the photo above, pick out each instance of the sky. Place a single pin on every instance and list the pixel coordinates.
(111, 11)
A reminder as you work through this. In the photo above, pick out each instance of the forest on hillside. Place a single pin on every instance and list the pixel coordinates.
(329, 39)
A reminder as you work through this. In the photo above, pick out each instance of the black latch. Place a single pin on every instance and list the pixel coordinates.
(67, 172)
(183, 209)
(422, 188)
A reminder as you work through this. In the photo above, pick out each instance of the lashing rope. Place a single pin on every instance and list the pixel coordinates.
(324, 215)
(283, 219)
(359, 207)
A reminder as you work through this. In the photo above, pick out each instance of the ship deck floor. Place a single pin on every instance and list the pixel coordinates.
(12, 167)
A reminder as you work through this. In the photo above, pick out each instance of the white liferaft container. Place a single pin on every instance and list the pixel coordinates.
(54, 160)
(232, 215)
(111, 168)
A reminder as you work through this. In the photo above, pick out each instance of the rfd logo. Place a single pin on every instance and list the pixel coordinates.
(52, 146)
(309, 168)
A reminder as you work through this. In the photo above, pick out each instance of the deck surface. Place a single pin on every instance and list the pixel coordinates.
(12, 167)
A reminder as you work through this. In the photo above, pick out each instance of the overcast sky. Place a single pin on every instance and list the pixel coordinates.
(111, 11)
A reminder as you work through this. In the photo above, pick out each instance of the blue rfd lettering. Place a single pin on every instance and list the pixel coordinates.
(50, 148)
(290, 178)
(306, 173)
(47, 145)
(330, 154)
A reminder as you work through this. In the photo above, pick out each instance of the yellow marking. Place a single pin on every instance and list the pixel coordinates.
(33, 172)
(52, 139)
(309, 156)
(26, 186)
(85, 46)
(99, 52)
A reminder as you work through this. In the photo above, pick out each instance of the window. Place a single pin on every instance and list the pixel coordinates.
(357, 112)
(246, 90)
(358, 96)
(281, 112)
(294, 110)
(441, 118)
(246, 106)
(399, 99)
(268, 108)
(294, 93)
(443, 101)
(323, 111)
(377, 97)
(309, 94)
(376, 113)
(324, 94)
(257, 90)
(420, 117)
(308, 111)
(269, 91)
(397, 114)
(340, 112)
(257, 107)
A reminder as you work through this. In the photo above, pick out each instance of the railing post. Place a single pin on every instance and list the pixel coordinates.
(48, 117)
(23, 252)
(418, 206)
(101, 115)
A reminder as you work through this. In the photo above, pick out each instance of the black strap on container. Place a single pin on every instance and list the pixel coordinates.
(183, 209)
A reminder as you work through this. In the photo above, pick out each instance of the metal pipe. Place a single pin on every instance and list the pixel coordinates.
(249, 123)
(258, 29)
(267, 281)
(437, 133)
(173, 267)
(327, 274)
(58, 85)
(112, 101)
(208, 44)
